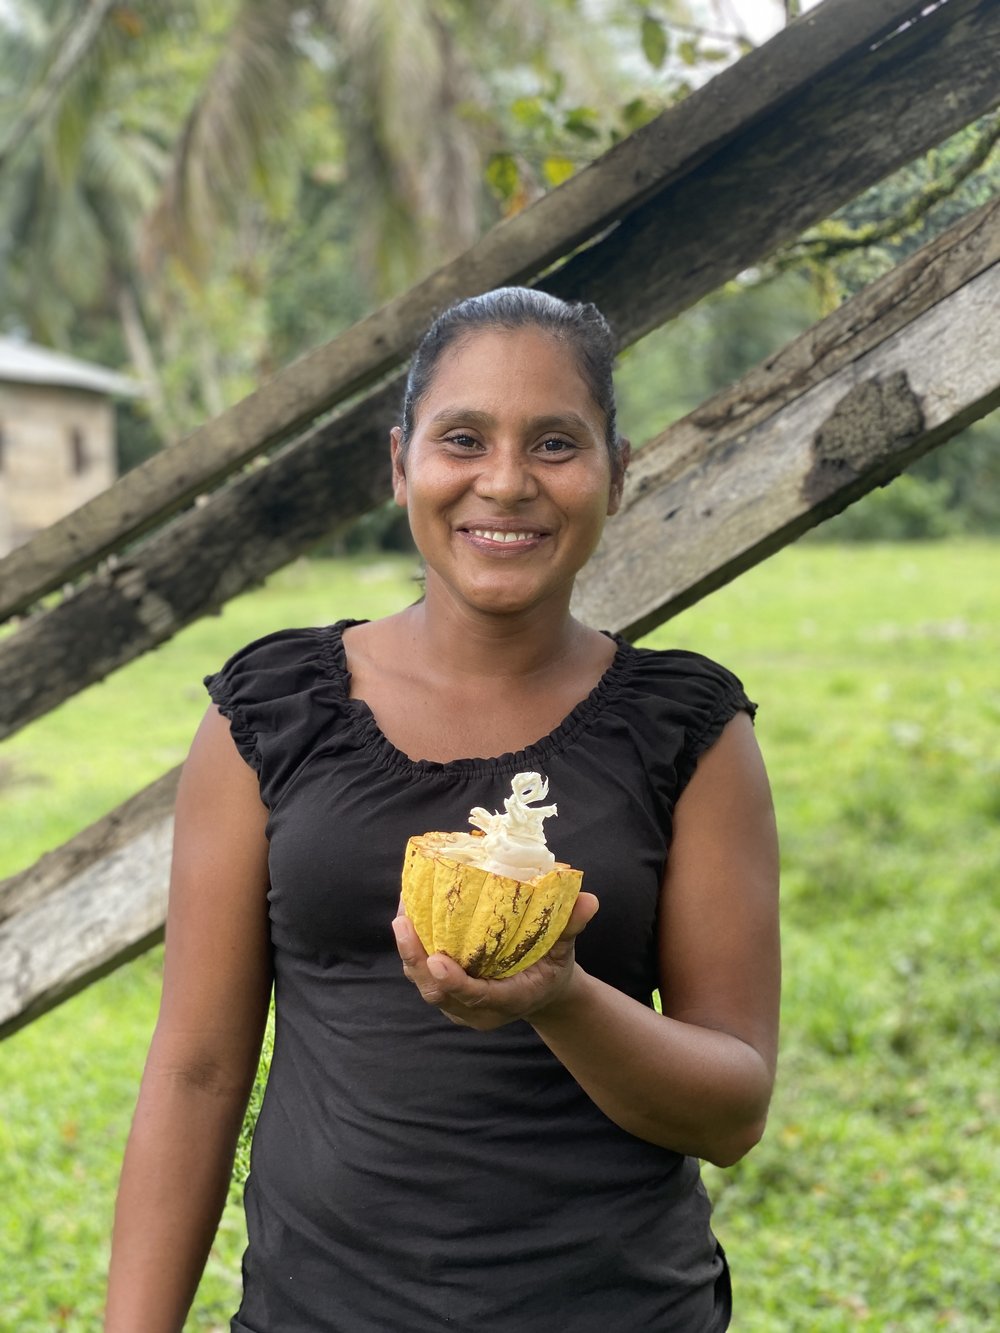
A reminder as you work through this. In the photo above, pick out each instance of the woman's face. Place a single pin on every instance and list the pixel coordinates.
(507, 477)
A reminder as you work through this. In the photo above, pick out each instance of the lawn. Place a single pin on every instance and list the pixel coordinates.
(870, 1201)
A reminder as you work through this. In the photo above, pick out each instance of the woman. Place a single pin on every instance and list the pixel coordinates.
(530, 1163)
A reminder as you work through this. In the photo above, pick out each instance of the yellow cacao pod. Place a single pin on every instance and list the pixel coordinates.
(491, 925)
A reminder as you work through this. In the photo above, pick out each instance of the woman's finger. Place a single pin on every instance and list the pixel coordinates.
(584, 911)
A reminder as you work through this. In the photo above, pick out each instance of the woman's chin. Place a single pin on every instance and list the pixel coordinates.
(500, 597)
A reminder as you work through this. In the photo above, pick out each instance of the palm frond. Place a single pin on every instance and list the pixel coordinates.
(232, 137)
(413, 164)
(68, 57)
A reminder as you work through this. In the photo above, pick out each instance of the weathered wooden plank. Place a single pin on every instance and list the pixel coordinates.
(195, 564)
(891, 374)
(87, 907)
(850, 128)
(718, 492)
(101, 840)
(766, 83)
(89, 925)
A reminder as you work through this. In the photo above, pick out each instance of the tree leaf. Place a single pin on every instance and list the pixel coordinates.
(557, 169)
(531, 113)
(688, 52)
(655, 43)
(640, 111)
(503, 176)
(582, 121)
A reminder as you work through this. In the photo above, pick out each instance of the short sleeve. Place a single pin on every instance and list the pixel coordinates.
(716, 696)
(275, 693)
(677, 703)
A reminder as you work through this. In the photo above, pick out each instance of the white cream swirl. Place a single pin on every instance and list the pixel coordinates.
(514, 842)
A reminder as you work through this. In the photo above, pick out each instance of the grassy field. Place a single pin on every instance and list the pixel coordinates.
(871, 1202)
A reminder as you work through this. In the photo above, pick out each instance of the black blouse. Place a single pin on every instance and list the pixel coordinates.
(408, 1174)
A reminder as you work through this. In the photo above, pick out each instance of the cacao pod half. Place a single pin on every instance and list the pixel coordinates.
(492, 926)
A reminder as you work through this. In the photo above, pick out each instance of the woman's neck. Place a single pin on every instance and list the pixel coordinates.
(462, 642)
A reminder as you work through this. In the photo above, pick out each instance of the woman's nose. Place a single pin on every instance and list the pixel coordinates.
(506, 476)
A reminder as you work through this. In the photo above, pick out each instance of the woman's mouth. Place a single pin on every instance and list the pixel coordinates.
(510, 541)
(496, 535)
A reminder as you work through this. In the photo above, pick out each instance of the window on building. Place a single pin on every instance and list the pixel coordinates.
(77, 450)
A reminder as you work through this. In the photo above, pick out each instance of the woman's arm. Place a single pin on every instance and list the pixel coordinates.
(697, 1078)
(204, 1052)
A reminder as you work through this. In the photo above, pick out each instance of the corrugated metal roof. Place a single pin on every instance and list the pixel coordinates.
(27, 363)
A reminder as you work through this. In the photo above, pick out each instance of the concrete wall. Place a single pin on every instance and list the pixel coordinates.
(57, 449)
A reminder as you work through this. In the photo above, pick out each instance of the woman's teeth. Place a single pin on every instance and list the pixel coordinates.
(503, 536)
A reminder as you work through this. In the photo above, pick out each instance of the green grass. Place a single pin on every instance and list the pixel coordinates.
(870, 1201)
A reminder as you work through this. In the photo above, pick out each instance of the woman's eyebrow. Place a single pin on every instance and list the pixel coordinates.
(471, 416)
(462, 416)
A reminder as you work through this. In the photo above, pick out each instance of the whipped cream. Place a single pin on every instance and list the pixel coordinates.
(512, 844)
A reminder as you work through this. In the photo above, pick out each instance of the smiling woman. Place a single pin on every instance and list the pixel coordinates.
(436, 1149)
(519, 474)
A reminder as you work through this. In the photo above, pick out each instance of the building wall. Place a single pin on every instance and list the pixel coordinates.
(57, 450)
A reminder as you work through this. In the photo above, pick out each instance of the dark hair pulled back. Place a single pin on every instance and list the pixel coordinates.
(579, 324)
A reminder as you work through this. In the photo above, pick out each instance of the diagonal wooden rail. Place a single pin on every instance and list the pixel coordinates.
(841, 133)
(893, 373)
(802, 64)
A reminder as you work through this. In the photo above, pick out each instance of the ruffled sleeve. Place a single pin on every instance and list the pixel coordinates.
(715, 696)
(276, 693)
(678, 703)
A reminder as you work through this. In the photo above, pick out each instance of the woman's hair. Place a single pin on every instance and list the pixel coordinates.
(579, 324)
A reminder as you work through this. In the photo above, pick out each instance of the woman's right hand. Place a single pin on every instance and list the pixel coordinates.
(484, 1004)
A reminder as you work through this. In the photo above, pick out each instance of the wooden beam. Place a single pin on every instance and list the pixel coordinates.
(763, 187)
(892, 373)
(767, 84)
(717, 493)
(848, 130)
(87, 907)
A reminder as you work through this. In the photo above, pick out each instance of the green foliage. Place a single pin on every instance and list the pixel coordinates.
(871, 1199)
(909, 508)
(655, 42)
(241, 1163)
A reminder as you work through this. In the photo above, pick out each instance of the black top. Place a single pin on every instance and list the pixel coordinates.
(408, 1174)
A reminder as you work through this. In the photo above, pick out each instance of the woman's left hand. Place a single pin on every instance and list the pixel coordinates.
(477, 1003)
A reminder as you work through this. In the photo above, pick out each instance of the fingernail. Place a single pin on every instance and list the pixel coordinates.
(437, 968)
(398, 926)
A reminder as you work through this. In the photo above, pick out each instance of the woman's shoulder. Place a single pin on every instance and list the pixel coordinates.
(680, 701)
(683, 674)
(278, 692)
(284, 661)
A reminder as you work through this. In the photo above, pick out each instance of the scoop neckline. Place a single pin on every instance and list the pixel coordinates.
(531, 758)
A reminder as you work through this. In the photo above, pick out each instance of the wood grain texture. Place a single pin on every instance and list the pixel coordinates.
(95, 920)
(787, 84)
(847, 130)
(706, 502)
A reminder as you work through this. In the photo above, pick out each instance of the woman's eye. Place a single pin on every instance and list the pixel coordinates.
(463, 441)
(557, 446)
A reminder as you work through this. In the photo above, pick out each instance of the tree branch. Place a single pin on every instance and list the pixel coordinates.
(834, 238)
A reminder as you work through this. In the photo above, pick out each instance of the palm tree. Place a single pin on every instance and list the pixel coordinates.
(77, 178)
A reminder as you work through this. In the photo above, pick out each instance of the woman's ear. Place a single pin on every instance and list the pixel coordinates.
(618, 475)
(398, 475)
